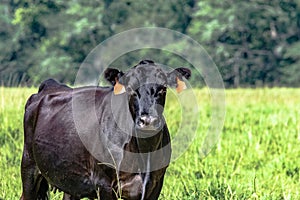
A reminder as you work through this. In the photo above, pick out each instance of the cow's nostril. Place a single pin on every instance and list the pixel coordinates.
(147, 121)
(143, 120)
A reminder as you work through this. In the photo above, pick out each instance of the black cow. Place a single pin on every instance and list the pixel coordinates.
(100, 142)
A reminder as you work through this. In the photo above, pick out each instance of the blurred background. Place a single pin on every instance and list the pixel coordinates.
(254, 43)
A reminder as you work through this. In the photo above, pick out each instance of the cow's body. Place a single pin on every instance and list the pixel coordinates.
(55, 153)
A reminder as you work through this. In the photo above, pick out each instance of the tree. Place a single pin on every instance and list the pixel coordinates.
(248, 40)
(54, 37)
(254, 43)
(12, 62)
(63, 33)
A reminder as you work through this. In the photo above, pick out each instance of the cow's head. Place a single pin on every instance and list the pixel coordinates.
(145, 85)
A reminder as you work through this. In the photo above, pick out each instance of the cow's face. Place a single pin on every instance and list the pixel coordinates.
(146, 87)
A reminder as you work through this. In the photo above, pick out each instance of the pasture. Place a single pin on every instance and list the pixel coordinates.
(257, 157)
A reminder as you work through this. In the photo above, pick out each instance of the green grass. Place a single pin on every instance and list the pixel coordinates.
(257, 157)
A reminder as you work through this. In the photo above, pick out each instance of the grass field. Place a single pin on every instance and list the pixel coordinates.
(257, 157)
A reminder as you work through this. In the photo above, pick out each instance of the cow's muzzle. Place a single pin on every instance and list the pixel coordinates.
(148, 123)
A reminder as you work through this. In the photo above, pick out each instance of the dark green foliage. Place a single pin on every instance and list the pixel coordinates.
(254, 43)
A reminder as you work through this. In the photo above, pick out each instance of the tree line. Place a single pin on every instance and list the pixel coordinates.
(253, 43)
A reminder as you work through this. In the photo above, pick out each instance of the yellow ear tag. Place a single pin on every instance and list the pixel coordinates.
(180, 85)
(119, 88)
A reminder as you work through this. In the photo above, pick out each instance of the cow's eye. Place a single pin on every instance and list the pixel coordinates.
(135, 93)
(161, 91)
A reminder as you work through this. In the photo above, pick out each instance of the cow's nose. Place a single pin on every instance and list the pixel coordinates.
(148, 122)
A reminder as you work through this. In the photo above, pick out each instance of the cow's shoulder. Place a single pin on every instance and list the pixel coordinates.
(91, 91)
(51, 85)
(96, 94)
(47, 87)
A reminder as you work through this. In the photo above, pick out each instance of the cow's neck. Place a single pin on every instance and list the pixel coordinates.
(138, 150)
(147, 144)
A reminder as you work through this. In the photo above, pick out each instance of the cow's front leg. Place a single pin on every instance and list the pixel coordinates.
(31, 178)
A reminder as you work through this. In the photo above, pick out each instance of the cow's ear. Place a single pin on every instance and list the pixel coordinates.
(175, 78)
(119, 88)
(113, 76)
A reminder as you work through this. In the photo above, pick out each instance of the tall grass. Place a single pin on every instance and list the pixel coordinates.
(12, 103)
(257, 157)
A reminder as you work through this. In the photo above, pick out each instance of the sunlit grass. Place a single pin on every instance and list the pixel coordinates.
(257, 157)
